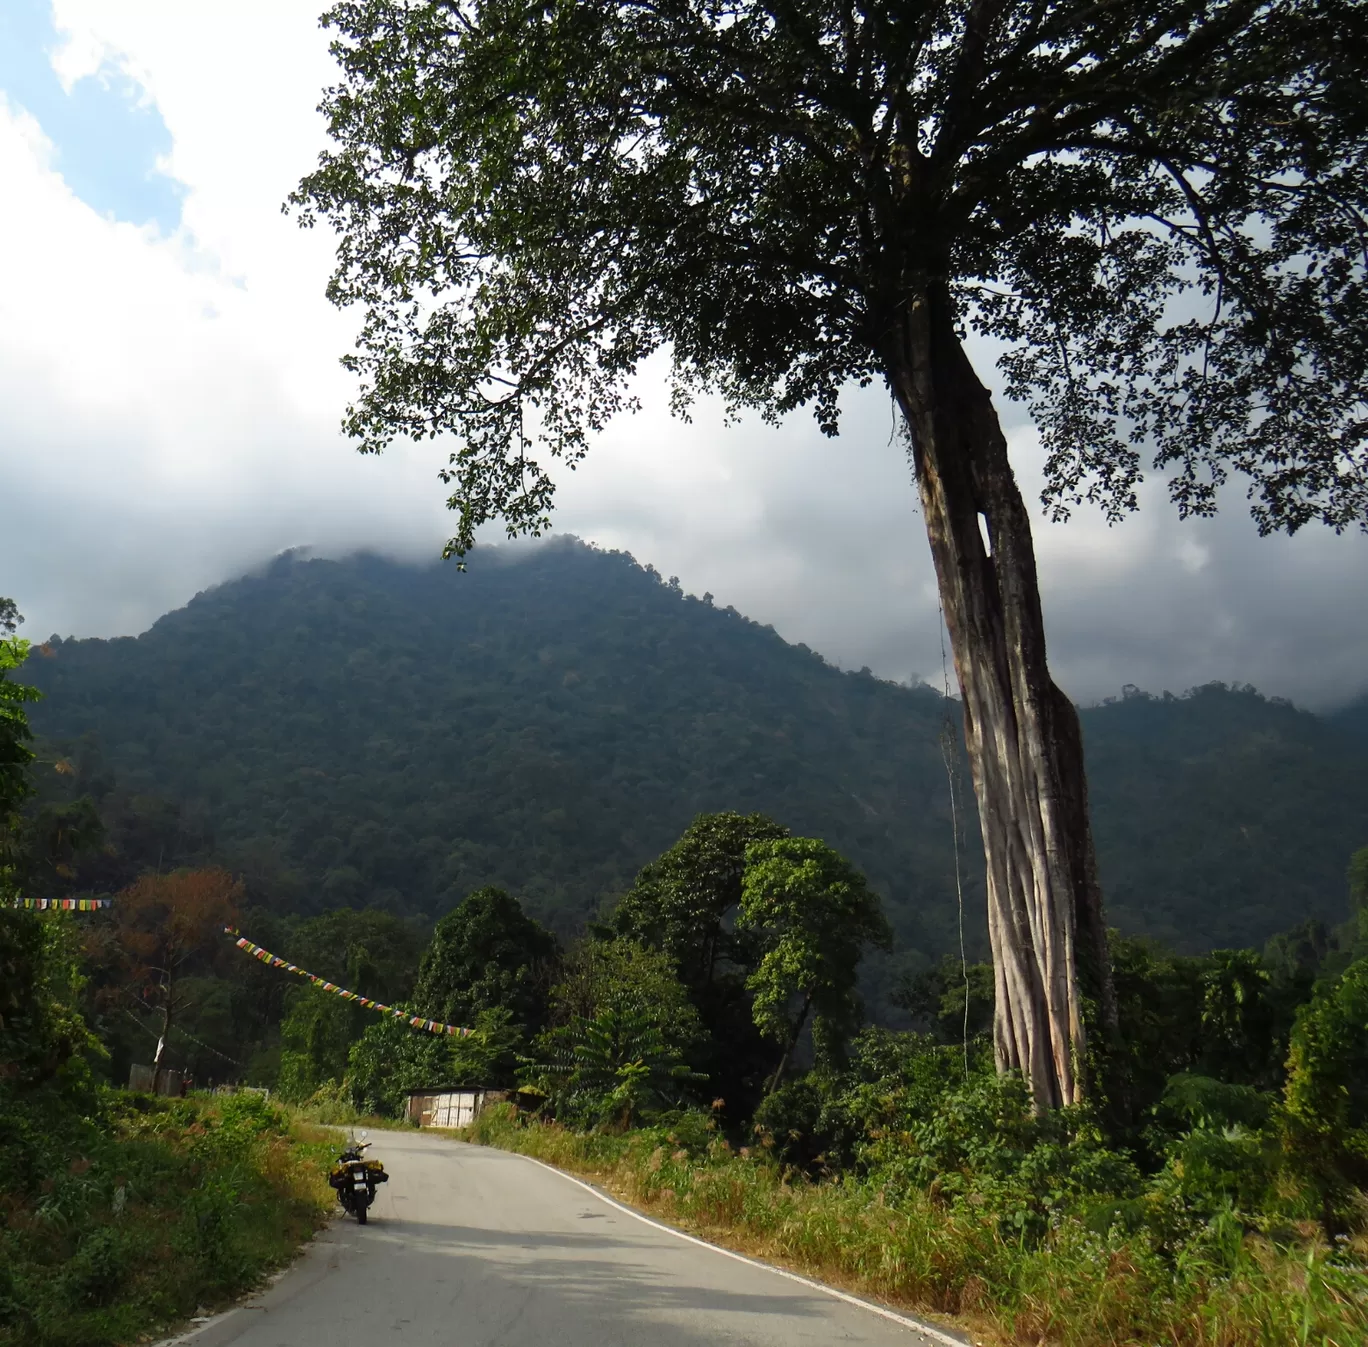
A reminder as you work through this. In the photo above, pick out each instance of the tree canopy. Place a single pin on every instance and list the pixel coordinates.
(813, 915)
(598, 974)
(162, 923)
(486, 953)
(678, 902)
(373, 953)
(15, 753)
(1159, 207)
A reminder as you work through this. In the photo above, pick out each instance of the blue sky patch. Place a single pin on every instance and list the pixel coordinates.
(107, 132)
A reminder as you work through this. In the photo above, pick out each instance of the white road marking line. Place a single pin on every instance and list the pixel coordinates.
(927, 1330)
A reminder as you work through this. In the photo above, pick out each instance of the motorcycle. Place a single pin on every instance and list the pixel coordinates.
(355, 1178)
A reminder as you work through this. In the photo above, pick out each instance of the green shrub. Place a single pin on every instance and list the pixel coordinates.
(144, 1209)
(100, 1265)
(1199, 1101)
(789, 1123)
(1326, 1097)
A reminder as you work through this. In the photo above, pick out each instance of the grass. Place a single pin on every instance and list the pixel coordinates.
(1074, 1288)
(163, 1209)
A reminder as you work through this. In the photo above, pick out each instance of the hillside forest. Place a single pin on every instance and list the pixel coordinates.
(673, 873)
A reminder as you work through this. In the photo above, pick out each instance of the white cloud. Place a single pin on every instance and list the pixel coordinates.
(169, 411)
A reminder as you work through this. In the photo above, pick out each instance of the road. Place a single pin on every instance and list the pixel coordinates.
(471, 1247)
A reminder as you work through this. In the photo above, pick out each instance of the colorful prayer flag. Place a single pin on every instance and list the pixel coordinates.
(265, 956)
(60, 904)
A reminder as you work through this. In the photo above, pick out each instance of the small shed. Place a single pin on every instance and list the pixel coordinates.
(450, 1106)
(163, 1081)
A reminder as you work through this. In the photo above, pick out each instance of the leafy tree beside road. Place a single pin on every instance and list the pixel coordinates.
(486, 953)
(162, 923)
(680, 901)
(684, 903)
(373, 953)
(813, 915)
(623, 1030)
(487, 967)
(1156, 208)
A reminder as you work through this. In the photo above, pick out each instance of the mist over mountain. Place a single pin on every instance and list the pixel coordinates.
(364, 731)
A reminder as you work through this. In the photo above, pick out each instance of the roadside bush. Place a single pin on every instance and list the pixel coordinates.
(144, 1210)
(1326, 1132)
(100, 1265)
(789, 1124)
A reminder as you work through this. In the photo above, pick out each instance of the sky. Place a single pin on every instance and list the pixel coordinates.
(170, 399)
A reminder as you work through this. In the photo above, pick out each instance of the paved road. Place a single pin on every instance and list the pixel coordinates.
(470, 1247)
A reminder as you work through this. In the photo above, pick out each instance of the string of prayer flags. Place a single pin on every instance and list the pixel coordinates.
(275, 961)
(61, 904)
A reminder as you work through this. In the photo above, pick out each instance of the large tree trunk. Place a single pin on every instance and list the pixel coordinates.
(1023, 737)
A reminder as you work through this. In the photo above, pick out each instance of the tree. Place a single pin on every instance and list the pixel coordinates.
(43, 1038)
(369, 951)
(615, 1067)
(1238, 1019)
(814, 914)
(1157, 207)
(679, 901)
(57, 837)
(681, 904)
(486, 952)
(1326, 1097)
(1358, 880)
(602, 973)
(163, 922)
(1358, 896)
(15, 753)
(953, 999)
(316, 1035)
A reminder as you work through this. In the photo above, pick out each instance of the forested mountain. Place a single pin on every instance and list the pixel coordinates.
(1353, 720)
(1222, 816)
(368, 732)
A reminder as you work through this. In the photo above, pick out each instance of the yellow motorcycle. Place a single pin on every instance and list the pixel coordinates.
(355, 1178)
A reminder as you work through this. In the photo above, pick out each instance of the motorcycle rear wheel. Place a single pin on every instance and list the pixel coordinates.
(361, 1214)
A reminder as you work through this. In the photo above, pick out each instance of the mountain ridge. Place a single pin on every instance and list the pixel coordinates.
(374, 731)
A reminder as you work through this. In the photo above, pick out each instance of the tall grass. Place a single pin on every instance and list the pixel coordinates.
(165, 1208)
(1074, 1288)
